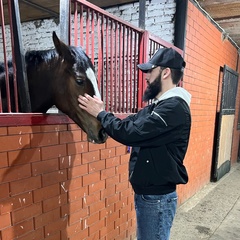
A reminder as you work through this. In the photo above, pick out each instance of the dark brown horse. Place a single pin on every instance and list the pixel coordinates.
(57, 77)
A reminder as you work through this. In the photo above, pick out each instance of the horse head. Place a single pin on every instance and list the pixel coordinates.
(74, 76)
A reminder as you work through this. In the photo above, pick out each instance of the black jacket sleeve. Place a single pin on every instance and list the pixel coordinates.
(149, 127)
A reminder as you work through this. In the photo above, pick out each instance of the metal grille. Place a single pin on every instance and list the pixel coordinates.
(115, 48)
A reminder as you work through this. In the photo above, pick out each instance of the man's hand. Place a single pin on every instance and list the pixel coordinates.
(92, 105)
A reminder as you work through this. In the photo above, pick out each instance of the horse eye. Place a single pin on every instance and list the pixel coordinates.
(80, 81)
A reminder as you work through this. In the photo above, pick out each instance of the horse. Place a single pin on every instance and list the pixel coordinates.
(57, 77)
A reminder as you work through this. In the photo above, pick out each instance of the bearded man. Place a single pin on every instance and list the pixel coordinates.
(159, 135)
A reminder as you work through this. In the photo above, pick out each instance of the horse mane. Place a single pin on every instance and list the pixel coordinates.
(36, 57)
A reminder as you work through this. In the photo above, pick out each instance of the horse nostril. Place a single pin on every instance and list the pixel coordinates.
(102, 134)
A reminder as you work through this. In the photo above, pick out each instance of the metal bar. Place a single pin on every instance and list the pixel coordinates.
(92, 36)
(39, 7)
(120, 67)
(142, 10)
(81, 25)
(20, 59)
(123, 81)
(15, 87)
(107, 64)
(64, 20)
(131, 71)
(75, 24)
(5, 59)
(111, 64)
(180, 23)
(87, 31)
(116, 67)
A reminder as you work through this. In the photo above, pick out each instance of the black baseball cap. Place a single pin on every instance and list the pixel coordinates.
(164, 57)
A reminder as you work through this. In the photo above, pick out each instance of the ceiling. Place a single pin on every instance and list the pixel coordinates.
(226, 13)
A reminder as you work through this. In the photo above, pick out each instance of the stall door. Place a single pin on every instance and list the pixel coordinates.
(221, 163)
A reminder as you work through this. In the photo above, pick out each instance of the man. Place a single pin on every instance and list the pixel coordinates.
(159, 135)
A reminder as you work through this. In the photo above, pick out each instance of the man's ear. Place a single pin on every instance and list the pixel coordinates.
(166, 72)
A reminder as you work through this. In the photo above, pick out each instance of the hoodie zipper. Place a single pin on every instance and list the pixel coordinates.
(159, 117)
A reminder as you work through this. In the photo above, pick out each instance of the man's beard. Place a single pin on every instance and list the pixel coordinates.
(153, 89)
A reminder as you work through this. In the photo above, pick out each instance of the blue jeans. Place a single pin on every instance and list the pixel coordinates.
(155, 214)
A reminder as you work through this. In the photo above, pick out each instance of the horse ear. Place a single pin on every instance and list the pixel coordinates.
(62, 49)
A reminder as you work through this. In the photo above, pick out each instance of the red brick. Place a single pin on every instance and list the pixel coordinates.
(90, 156)
(122, 186)
(55, 202)
(5, 220)
(109, 191)
(46, 192)
(96, 207)
(53, 151)
(3, 131)
(77, 171)
(45, 166)
(108, 173)
(24, 156)
(112, 199)
(96, 187)
(18, 230)
(54, 177)
(70, 136)
(108, 153)
(57, 235)
(71, 208)
(8, 143)
(91, 178)
(53, 227)
(70, 161)
(125, 159)
(4, 190)
(46, 218)
(20, 130)
(96, 166)
(25, 185)
(44, 139)
(112, 181)
(114, 161)
(96, 227)
(77, 229)
(72, 184)
(3, 160)
(76, 195)
(94, 147)
(75, 148)
(53, 128)
(15, 173)
(83, 234)
(36, 234)
(112, 143)
(78, 216)
(90, 199)
(27, 212)
(16, 202)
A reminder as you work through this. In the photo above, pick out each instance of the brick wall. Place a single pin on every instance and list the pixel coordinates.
(205, 53)
(56, 185)
(159, 17)
(37, 35)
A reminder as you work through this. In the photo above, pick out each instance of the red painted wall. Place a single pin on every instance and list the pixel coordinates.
(205, 53)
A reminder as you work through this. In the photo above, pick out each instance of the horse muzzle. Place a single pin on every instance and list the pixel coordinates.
(101, 138)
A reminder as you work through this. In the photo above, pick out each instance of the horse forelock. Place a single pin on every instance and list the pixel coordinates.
(83, 62)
